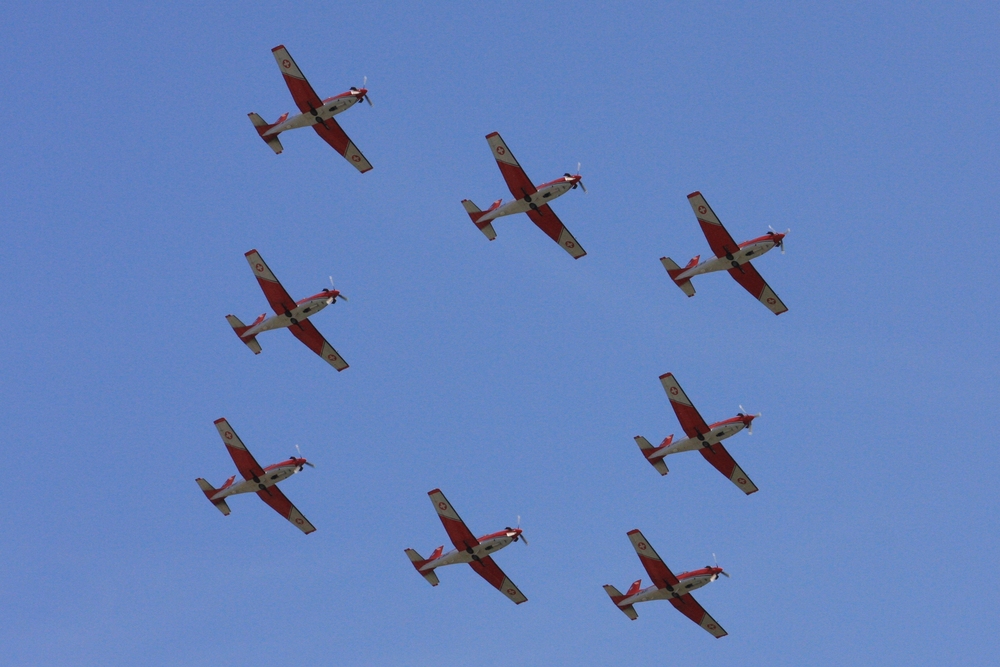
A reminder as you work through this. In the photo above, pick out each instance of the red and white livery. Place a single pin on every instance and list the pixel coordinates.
(290, 314)
(528, 198)
(729, 256)
(262, 481)
(706, 438)
(666, 586)
(468, 549)
(315, 113)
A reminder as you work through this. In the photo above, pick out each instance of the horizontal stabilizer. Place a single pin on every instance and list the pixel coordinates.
(476, 214)
(418, 562)
(239, 328)
(648, 449)
(616, 597)
(673, 271)
(210, 491)
(263, 126)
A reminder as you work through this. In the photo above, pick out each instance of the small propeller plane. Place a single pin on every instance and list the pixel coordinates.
(527, 199)
(701, 436)
(290, 313)
(261, 481)
(314, 112)
(666, 586)
(468, 549)
(729, 256)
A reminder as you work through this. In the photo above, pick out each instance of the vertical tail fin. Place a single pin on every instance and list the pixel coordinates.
(617, 597)
(210, 491)
(673, 271)
(474, 213)
(419, 561)
(648, 450)
(263, 126)
(239, 328)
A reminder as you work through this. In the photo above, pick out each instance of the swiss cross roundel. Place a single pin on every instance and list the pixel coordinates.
(570, 244)
(331, 357)
(673, 391)
(299, 521)
(356, 158)
(741, 480)
(500, 150)
(286, 63)
(642, 546)
(443, 505)
(711, 626)
(771, 300)
(229, 435)
(702, 209)
(259, 267)
(510, 591)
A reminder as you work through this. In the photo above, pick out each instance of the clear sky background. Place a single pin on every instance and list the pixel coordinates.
(506, 373)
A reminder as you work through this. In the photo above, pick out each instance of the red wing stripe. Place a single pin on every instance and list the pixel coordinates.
(546, 220)
(334, 135)
(489, 571)
(245, 463)
(688, 606)
(518, 182)
(690, 419)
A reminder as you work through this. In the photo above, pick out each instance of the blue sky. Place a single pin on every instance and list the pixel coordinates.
(505, 373)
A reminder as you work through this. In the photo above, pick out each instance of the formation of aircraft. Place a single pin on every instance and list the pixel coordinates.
(314, 112)
(534, 201)
(527, 199)
(667, 586)
(706, 438)
(729, 256)
(262, 481)
(469, 549)
(290, 314)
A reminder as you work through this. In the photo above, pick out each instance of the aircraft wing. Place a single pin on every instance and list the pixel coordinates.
(459, 533)
(545, 218)
(332, 134)
(719, 240)
(242, 457)
(747, 276)
(518, 182)
(313, 339)
(305, 97)
(283, 506)
(724, 463)
(688, 606)
(276, 295)
(492, 573)
(691, 421)
(658, 571)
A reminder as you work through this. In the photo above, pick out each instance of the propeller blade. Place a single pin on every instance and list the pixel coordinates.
(584, 187)
(524, 539)
(309, 464)
(298, 450)
(725, 573)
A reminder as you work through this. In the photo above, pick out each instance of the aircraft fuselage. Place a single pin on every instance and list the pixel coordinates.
(546, 193)
(487, 546)
(330, 108)
(746, 252)
(303, 310)
(273, 474)
(716, 433)
(688, 582)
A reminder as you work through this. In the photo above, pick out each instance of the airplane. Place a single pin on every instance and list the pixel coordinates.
(527, 199)
(468, 549)
(290, 313)
(314, 111)
(666, 586)
(261, 481)
(729, 256)
(701, 436)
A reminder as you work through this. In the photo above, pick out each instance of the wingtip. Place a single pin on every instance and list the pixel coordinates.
(633, 531)
(694, 194)
(279, 46)
(249, 252)
(492, 134)
(666, 375)
(219, 420)
(432, 492)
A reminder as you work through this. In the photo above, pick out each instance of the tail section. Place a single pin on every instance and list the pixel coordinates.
(209, 491)
(648, 450)
(673, 270)
(239, 328)
(617, 597)
(419, 561)
(262, 127)
(474, 213)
